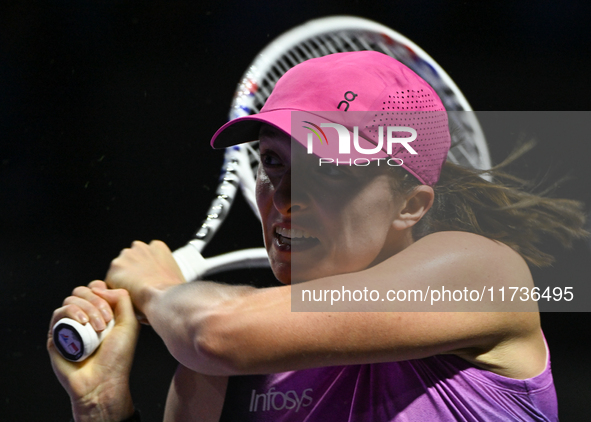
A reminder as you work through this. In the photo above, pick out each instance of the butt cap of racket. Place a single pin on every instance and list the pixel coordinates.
(76, 341)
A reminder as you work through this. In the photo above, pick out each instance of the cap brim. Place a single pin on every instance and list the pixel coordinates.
(246, 129)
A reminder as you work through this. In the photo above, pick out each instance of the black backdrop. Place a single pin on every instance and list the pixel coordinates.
(106, 110)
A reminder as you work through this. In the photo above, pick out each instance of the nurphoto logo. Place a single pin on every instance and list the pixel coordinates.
(360, 153)
(345, 138)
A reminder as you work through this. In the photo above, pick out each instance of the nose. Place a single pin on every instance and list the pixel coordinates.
(288, 198)
(282, 194)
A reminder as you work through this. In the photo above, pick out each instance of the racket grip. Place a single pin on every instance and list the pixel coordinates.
(76, 341)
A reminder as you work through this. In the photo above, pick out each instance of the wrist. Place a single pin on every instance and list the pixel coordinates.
(147, 297)
(106, 408)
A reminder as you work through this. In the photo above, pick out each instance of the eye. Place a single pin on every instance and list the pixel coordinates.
(270, 159)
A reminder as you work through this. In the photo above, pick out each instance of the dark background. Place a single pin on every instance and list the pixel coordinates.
(107, 108)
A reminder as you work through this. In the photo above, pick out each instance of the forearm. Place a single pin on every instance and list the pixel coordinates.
(195, 397)
(182, 316)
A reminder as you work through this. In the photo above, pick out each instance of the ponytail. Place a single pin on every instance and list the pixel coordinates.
(502, 210)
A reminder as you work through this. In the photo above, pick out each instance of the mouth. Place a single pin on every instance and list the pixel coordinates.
(294, 239)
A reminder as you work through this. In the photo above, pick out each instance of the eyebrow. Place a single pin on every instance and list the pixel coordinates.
(272, 134)
(267, 130)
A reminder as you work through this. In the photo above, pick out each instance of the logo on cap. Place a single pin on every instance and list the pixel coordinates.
(346, 100)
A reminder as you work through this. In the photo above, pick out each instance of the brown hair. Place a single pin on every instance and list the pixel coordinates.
(505, 210)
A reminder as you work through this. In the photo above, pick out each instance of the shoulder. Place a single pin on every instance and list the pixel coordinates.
(513, 345)
(465, 241)
(477, 255)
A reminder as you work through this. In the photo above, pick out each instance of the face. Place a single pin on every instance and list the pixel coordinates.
(323, 220)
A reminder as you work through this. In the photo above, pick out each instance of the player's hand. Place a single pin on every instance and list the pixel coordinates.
(98, 386)
(144, 269)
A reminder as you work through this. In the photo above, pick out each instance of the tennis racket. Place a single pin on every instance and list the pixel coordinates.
(315, 38)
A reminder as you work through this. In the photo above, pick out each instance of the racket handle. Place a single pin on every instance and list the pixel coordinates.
(77, 341)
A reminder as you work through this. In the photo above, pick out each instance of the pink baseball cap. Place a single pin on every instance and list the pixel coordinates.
(364, 91)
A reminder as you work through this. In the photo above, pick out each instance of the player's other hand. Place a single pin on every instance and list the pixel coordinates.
(144, 269)
(98, 386)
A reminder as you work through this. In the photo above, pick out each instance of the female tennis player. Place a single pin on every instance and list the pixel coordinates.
(402, 222)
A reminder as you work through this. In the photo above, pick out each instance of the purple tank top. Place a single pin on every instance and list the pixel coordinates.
(439, 388)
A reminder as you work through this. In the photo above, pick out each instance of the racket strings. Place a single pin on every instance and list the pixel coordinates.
(316, 48)
(252, 148)
(308, 49)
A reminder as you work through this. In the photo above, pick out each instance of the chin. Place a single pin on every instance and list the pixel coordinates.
(282, 273)
(286, 276)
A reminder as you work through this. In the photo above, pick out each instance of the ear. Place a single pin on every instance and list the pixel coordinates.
(415, 206)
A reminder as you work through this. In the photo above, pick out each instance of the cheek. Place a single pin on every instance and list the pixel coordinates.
(368, 225)
(263, 190)
(264, 199)
(365, 238)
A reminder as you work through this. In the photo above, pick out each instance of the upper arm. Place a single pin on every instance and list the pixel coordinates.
(261, 333)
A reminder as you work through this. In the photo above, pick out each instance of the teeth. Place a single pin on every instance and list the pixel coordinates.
(292, 233)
